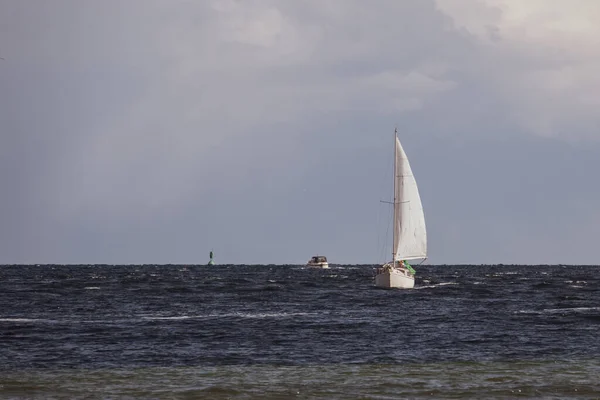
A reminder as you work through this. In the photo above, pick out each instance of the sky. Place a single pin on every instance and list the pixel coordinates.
(152, 131)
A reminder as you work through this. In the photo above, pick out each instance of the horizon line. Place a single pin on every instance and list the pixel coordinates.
(289, 264)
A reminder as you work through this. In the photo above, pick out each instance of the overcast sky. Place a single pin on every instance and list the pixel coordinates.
(152, 131)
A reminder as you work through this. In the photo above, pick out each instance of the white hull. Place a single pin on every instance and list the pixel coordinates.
(389, 277)
(318, 265)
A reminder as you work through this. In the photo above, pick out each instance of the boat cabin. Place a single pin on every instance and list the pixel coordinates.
(318, 259)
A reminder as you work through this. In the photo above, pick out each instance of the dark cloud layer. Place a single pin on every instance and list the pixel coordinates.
(153, 131)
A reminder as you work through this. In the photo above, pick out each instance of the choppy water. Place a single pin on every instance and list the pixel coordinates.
(290, 332)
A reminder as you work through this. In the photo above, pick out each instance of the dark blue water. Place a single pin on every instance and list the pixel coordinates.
(282, 331)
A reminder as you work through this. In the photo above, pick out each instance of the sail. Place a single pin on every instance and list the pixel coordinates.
(409, 221)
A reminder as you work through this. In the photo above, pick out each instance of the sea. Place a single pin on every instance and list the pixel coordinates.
(291, 332)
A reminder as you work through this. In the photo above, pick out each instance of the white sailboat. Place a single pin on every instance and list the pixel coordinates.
(410, 236)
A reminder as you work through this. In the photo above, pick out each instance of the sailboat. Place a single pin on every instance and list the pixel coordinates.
(409, 234)
(211, 261)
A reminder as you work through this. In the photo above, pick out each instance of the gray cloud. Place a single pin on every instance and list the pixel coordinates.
(152, 131)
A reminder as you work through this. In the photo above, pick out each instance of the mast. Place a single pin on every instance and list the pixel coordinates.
(394, 244)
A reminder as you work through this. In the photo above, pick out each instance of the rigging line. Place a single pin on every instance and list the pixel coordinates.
(383, 185)
(387, 234)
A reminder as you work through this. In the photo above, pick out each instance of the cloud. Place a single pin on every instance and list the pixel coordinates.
(138, 122)
(228, 70)
(540, 58)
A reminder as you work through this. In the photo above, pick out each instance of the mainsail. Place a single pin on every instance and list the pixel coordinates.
(410, 235)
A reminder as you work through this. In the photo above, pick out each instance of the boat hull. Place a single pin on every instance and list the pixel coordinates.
(318, 265)
(388, 278)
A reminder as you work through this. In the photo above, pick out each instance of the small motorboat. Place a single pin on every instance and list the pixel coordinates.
(318, 262)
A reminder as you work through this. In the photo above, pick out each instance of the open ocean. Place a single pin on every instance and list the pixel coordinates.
(281, 332)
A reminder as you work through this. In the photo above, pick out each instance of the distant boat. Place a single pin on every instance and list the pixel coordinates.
(410, 236)
(318, 262)
(211, 261)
